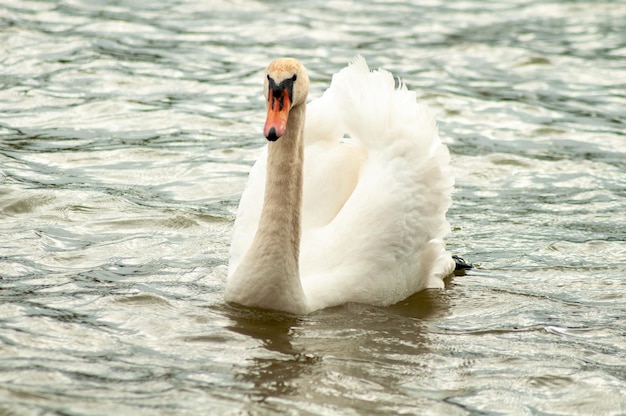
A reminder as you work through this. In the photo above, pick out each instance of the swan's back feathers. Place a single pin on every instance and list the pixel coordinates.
(380, 113)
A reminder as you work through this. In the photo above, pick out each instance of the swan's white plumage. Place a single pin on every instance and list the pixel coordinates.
(376, 188)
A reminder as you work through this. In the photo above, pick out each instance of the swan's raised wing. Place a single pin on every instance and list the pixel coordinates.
(386, 241)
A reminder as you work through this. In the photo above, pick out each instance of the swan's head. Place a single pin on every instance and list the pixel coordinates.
(286, 86)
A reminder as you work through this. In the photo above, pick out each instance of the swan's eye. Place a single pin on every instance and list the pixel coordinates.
(295, 77)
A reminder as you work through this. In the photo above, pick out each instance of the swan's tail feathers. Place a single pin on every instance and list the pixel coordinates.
(381, 113)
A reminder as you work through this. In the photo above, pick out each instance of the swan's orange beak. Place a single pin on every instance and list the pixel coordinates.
(278, 106)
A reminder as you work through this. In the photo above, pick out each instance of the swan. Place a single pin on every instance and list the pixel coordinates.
(347, 201)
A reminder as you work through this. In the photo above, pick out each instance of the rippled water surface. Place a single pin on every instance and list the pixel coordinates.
(127, 129)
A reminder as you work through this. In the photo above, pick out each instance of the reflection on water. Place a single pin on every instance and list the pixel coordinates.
(271, 376)
(126, 133)
(271, 328)
(353, 335)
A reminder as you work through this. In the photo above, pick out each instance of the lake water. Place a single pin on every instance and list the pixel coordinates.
(127, 129)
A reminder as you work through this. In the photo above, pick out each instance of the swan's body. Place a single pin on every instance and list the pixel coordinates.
(349, 207)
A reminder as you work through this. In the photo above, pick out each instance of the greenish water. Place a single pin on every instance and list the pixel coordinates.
(126, 133)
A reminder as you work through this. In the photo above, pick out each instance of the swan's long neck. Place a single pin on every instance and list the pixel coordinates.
(268, 276)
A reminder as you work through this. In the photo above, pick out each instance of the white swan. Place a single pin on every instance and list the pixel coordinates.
(349, 207)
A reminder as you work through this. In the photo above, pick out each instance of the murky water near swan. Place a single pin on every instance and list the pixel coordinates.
(126, 133)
